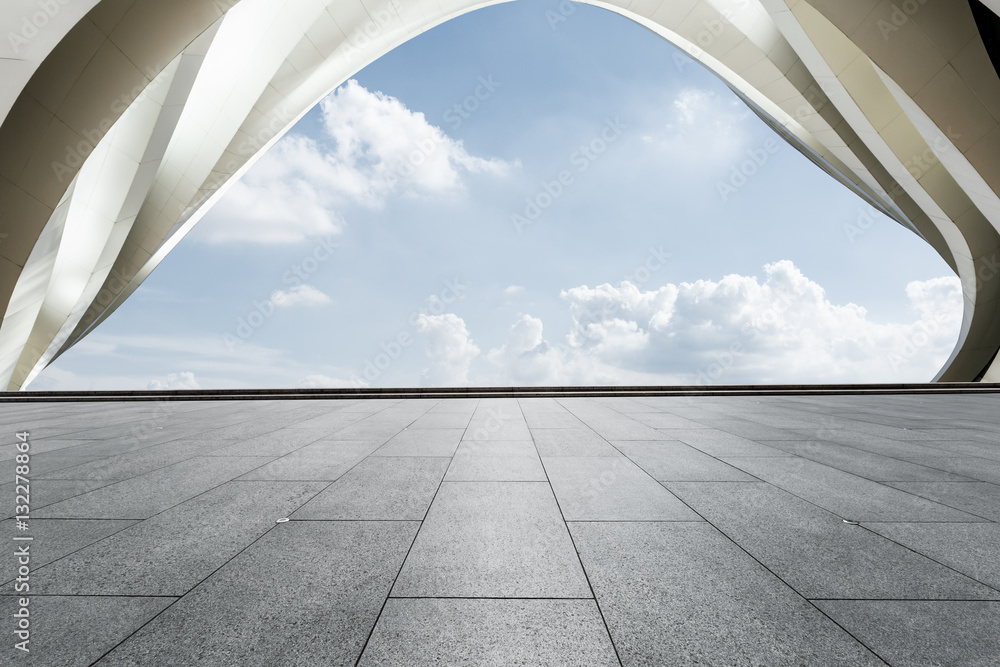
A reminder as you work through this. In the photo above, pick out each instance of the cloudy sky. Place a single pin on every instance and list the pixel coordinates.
(509, 200)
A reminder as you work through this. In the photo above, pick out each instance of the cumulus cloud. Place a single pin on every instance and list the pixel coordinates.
(735, 330)
(449, 348)
(387, 146)
(184, 380)
(377, 147)
(286, 197)
(526, 357)
(511, 290)
(305, 295)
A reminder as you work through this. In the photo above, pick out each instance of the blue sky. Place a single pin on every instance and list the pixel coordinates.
(508, 200)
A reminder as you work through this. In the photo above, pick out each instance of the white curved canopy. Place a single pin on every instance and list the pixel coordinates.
(123, 123)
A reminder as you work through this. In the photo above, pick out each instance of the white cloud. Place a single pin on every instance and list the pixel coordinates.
(318, 380)
(212, 364)
(703, 128)
(526, 357)
(286, 197)
(184, 380)
(449, 347)
(379, 147)
(780, 327)
(305, 295)
(387, 146)
(736, 330)
(513, 289)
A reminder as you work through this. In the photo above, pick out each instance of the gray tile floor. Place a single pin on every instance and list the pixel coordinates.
(558, 531)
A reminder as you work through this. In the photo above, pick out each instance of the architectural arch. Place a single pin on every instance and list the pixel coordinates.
(123, 122)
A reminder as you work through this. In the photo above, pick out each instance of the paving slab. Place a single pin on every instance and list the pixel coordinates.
(73, 631)
(609, 423)
(9, 451)
(682, 594)
(611, 488)
(988, 449)
(876, 467)
(463, 405)
(45, 492)
(979, 498)
(969, 548)
(55, 460)
(665, 420)
(502, 427)
(571, 442)
(438, 420)
(379, 488)
(847, 495)
(369, 429)
(143, 496)
(274, 444)
(322, 460)
(307, 593)
(620, 427)
(719, 443)
(560, 420)
(671, 460)
(138, 462)
(256, 423)
(53, 539)
(500, 633)
(172, 552)
(493, 539)
(423, 442)
(980, 469)
(496, 461)
(333, 422)
(877, 444)
(815, 552)
(923, 634)
(494, 576)
(755, 431)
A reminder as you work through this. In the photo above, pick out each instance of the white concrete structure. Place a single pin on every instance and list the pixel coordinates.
(124, 121)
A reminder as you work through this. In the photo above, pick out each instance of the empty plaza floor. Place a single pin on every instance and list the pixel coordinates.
(689, 530)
